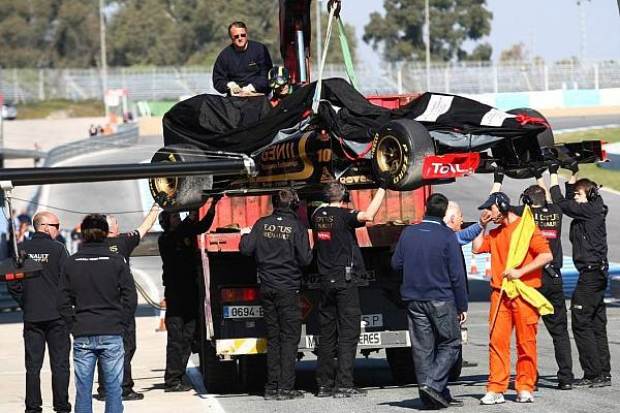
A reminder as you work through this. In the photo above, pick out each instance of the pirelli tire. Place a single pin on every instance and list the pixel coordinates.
(545, 140)
(398, 150)
(183, 192)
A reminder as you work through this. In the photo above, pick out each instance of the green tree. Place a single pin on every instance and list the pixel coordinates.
(178, 32)
(515, 53)
(49, 33)
(452, 23)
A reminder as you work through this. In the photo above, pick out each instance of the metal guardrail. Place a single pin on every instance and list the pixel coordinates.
(170, 83)
(127, 135)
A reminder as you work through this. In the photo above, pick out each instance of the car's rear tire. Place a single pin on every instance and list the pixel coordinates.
(545, 140)
(401, 364)
(398, 150)
(183, 192)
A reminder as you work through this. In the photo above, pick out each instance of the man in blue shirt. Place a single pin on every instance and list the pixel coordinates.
(241, 68)
(434, 288)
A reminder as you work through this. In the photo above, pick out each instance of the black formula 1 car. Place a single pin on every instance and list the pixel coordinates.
(434, 139)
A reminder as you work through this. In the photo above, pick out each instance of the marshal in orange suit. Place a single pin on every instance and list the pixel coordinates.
(506, 314)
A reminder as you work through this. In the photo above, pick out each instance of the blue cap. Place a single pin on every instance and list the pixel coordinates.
(497, 198)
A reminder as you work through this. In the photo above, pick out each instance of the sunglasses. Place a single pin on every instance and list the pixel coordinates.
(57, 226)
(240, 36)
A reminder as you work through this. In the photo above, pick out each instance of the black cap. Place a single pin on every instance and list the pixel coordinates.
(497, 198)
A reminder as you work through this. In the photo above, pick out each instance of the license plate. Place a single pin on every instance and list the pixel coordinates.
(372, 320)
(243, 311)
(370, 339)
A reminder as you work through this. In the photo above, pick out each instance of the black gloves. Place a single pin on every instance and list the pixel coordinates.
(384, 179)
(537, 171)
(572, 166)
(554, 167)
(498, 175)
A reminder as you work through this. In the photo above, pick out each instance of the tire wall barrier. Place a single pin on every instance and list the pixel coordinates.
(551, 99)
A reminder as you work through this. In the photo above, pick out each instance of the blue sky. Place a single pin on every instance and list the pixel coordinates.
(551, 28)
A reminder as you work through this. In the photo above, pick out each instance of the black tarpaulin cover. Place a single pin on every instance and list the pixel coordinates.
(236, 124)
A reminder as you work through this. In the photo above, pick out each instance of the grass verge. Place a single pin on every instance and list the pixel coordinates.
(60, 108)
(603, 176)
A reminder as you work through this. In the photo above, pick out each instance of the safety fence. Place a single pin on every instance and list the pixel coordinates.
(161, 83)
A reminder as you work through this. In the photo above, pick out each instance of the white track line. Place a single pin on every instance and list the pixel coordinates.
(209, 400)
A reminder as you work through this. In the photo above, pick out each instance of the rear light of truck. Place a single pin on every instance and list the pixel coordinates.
(235, 295)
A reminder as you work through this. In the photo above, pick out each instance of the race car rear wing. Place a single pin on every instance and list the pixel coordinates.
(583, 152)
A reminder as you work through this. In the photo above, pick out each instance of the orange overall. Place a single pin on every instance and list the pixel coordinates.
(516, 313)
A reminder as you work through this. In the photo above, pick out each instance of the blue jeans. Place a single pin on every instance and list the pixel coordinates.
(435, 341)
(110, 353)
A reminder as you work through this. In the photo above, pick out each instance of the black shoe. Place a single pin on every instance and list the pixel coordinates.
(469, 364)
(132, 395)
(434, 395)
(99, 396)
(345, 392)
(601, 381)
(455, 402)
(178, 388)
(583, 382)
(325, 391)
(290, 394)
(565, 386)
(270, 394)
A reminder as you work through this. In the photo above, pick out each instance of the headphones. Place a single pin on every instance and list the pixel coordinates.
(293, 202)
(592, 193)
(502, 205)
(525, 199)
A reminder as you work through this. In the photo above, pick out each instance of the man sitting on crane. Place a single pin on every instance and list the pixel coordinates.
(241, 68)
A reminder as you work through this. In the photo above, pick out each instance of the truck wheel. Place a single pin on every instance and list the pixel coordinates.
(545, 139)
(455, 371)
(253, 373)
(401, 364)
(218, 376)
(399, 150)
(182, 192)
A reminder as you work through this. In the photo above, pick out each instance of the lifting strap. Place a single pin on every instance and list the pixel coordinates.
(346, 52)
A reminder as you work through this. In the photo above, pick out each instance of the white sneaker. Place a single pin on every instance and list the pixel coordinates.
(492, 398)
(525, 396)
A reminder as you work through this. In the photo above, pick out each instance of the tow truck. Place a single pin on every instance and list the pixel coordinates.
(419, 140)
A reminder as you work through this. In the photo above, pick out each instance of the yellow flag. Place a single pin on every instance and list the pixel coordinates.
(519, 245)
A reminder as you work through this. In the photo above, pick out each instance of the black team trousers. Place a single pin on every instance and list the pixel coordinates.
(339, 333)
(282, 315)
(56, 335)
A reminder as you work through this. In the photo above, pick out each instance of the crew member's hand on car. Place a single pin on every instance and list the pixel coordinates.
(384, 180)
(554, 168)
(498, 174)
(537, 171)
(572, 166)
